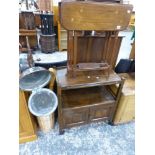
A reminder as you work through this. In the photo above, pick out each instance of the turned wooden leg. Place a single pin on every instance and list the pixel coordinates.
(60, 119)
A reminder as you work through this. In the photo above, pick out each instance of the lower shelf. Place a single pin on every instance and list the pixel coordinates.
(77, 98)
(82, 106)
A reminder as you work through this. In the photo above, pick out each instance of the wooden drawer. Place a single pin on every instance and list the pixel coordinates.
(100, 112)
(75, 117)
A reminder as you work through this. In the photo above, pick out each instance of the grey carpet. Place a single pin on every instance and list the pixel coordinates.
(92, 139)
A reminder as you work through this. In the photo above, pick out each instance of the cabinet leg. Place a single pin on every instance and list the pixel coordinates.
(61, 132)
(110, 123)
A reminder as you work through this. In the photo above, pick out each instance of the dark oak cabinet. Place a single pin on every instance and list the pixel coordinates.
(86, 98)
(83, 92)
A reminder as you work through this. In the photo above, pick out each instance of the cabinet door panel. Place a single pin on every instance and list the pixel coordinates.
(74, 117)
(100, 112)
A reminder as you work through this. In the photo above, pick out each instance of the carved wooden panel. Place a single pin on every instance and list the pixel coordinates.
(90, 49)
(75, 117)
(100, 112)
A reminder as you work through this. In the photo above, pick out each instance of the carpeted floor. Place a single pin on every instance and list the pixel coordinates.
(92, 139)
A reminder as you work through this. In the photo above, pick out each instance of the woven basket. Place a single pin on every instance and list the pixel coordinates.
(47, 43)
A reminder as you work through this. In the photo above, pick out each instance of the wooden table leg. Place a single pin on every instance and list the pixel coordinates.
(60, 119)
(118, 95)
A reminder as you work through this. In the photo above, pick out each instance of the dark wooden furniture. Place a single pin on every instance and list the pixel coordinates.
(95, 16)
(32, 35)
(27, 19)
(86, 98)
(27, 28)
(92, 27)
(94, 48)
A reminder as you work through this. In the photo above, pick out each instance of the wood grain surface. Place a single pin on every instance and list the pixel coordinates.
(94, 15)
(85, 79)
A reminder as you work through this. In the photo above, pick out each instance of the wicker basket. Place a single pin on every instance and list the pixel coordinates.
(47, 43)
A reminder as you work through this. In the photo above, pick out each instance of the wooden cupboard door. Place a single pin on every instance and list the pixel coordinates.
(26, 129)
(100, 113)
(75, 117)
